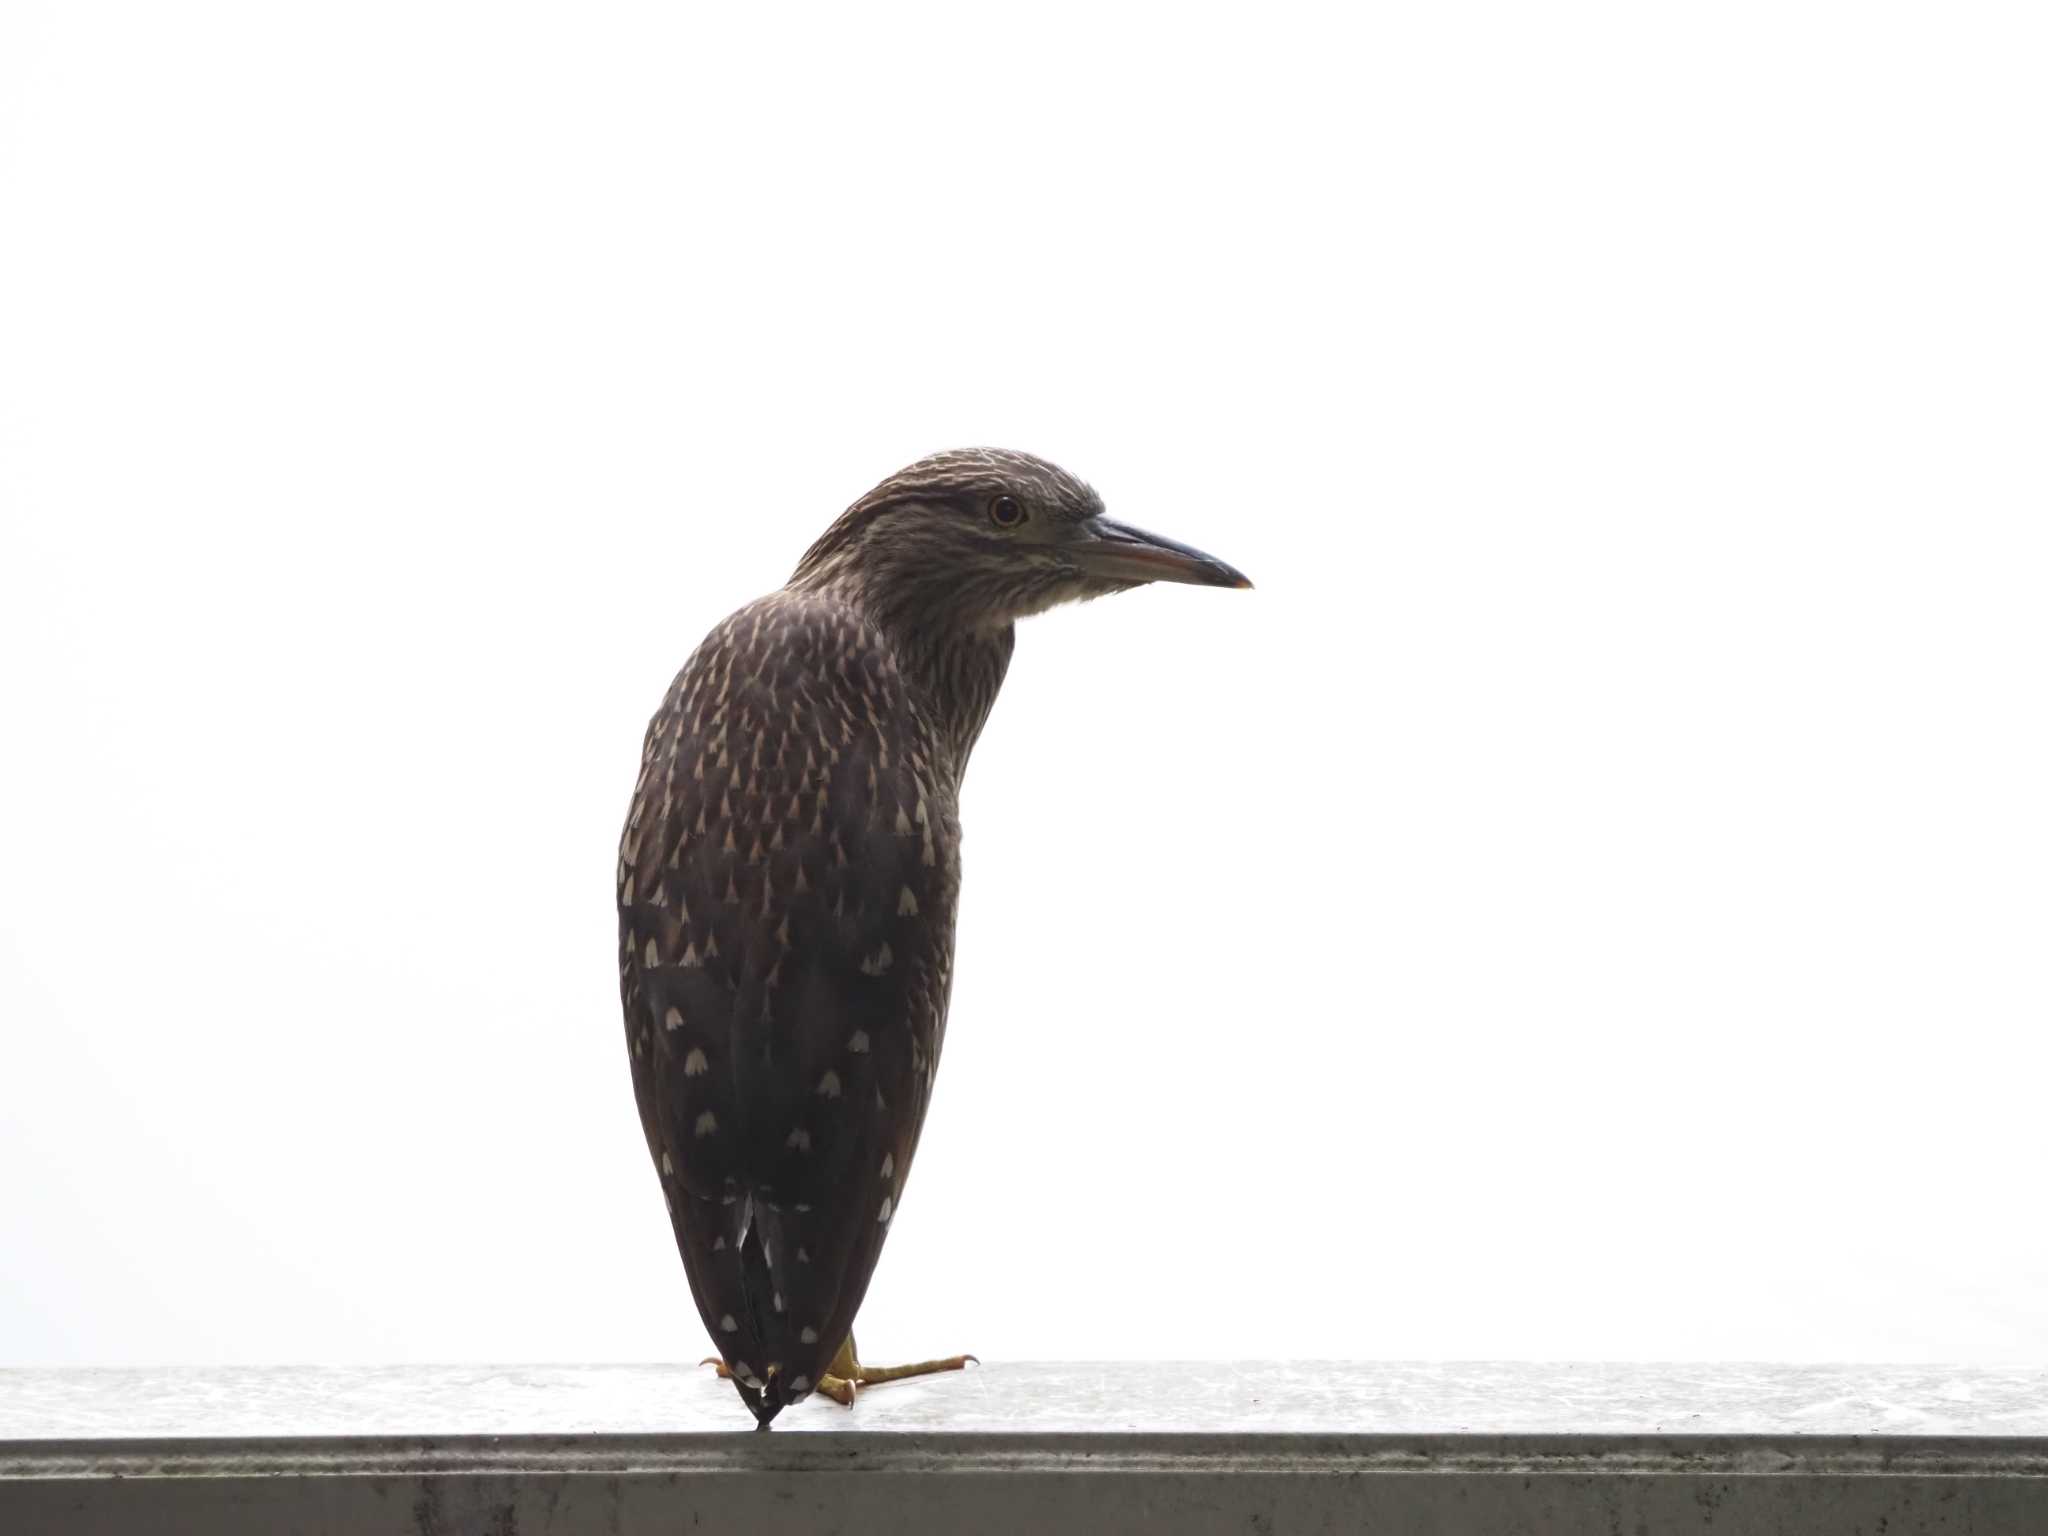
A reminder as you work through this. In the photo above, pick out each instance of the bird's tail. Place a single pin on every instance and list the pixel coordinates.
(772, 1360)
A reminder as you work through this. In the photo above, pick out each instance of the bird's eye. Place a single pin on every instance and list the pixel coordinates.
(1005, 512)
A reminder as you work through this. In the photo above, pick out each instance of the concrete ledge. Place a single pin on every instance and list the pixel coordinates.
(1072, 1483)
(91, 1476)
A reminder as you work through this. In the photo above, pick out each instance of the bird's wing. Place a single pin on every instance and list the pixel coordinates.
(786, 890)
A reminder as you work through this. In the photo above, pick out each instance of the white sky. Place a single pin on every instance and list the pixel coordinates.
(1589, 902)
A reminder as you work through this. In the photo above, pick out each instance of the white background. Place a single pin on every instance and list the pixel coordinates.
(1588, 902)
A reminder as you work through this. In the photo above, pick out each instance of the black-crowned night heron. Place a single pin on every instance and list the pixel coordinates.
(787, 881)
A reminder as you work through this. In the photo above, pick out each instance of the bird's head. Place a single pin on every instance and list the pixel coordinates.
(982, 537)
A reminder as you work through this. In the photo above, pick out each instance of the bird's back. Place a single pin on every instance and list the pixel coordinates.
(787, 882)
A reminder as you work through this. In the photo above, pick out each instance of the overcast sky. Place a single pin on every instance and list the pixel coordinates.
(1587, 902)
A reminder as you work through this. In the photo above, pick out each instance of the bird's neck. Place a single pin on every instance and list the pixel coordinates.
(953, 665)
(958, 672)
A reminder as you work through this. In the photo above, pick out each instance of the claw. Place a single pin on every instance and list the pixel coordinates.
(838, 1388)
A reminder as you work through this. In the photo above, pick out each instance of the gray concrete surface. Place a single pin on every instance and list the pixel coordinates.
(1080, 1448)
(1278, 1397)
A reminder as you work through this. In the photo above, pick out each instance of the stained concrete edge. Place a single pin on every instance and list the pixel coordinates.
(1070, 1453)
(1082, 1448)
(1008, 1485)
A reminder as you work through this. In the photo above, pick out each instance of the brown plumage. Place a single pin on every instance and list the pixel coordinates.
(788, 876)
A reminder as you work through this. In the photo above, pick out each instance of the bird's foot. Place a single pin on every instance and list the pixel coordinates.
(845, 1376)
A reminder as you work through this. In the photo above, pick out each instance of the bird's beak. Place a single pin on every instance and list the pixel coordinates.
(1118, 552)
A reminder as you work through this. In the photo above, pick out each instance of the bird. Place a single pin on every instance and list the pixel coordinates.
(787, 882)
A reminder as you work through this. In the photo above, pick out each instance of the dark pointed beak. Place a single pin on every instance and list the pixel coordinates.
(1118, 552)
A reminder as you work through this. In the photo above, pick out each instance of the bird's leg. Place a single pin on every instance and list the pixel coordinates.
(845, 1374)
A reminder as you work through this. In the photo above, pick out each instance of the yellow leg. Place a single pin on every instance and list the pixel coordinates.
(846, 1374)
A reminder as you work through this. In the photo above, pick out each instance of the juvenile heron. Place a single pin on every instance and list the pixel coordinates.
(787, 881)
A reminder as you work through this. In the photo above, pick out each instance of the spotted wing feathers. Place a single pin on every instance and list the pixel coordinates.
(786, 885)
